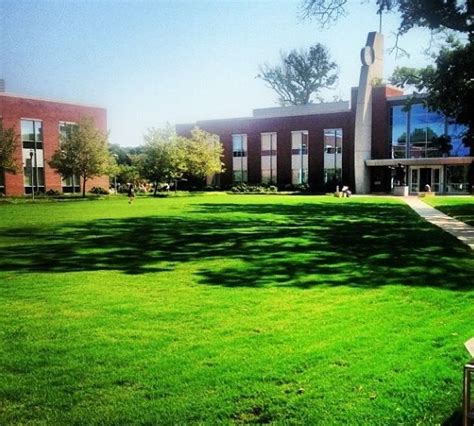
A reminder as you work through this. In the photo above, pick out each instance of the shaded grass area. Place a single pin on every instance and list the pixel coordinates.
(231, 309)
(461, 208)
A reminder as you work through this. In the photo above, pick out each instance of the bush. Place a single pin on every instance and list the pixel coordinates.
(98, 190)
(302, 187)
(52, 193)
(243, 188)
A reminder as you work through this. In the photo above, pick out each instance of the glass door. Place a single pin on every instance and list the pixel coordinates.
(437, 179)
(414, 179)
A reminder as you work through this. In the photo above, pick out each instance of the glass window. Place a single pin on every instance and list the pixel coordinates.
(27, 130)
(399, 123)
(240, 176)
(38, 178)
(424, 127)
(239, 145)
(299, 156)
(456, 131)
(65, 128)
(239, 163)
(269, 157)
(333, 157)
(457, 179)
(32, 134)
(2, 181)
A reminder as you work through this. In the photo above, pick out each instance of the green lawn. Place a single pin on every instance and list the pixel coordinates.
(222, 308)
(461, 208)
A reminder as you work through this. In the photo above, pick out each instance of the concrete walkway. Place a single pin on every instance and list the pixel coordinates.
(462, 231)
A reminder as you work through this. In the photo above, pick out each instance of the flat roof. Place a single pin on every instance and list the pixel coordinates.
(59, 101)
(297, 110)
(405, 97)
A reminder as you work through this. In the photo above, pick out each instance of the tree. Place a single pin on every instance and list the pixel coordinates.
(301, 75)
(83, 151)
(8, 147)
(203, 154)
(456, 15)
(163, 157)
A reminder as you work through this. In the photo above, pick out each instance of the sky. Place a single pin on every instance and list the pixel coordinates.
(155, 62)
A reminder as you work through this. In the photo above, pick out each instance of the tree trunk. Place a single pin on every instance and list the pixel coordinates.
(155, 189)
(84, 187)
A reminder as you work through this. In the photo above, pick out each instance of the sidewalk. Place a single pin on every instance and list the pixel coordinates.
(462, 231)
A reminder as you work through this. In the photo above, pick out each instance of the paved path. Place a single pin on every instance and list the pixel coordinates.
(462, 231)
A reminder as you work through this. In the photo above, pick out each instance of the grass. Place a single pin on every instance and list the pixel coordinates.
(461, 208)
(220, 308)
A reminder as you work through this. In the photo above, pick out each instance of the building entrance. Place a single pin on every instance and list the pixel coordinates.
(421, 176)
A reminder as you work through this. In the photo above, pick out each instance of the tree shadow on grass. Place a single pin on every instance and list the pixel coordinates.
(301, 245)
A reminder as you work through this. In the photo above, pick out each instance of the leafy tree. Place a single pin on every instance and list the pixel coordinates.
(129, 174)
(456, 15)
(8, 147)
(83, 151)
(203, 154)
(121, 154)
(301, 75)
(163, 157)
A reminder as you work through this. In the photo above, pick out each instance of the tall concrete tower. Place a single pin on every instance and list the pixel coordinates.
(371, 73)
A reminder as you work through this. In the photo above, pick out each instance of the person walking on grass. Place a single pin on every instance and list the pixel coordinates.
(131, 193)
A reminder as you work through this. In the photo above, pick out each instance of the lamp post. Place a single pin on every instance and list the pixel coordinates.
(32, 154)
(468, 407)
(115, 174)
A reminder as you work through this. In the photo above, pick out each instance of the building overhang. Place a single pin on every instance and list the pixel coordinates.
(453, 161)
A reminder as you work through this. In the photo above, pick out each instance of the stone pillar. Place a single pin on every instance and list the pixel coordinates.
(371, 73)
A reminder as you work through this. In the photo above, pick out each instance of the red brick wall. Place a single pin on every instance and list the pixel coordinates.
(283, 126)
(14, 108)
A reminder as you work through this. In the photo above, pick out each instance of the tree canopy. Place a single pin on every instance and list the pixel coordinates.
(162, 159)
(203, 154)
(301, 75)
(456, 15)
(8, 146)
(83, 151)
(167, 157)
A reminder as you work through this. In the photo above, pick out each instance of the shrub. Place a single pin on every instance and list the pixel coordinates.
(244, 188)
(98, 190)
(52, 193)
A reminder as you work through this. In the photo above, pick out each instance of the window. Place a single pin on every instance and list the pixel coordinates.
(65, 128)
(457, 179)
(299, 157)
(399, 123)
(32, 140)
(68, 183)
(32, 134)
(239, 161)
(2, 181)
(269, 157)
(333, 157)
(424, 127)
(456, 132)
(415, 133)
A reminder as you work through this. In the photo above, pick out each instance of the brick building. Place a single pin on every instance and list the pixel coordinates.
(39, 123)
(371, 143)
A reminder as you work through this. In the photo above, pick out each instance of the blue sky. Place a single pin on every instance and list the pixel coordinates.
(152, 62)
